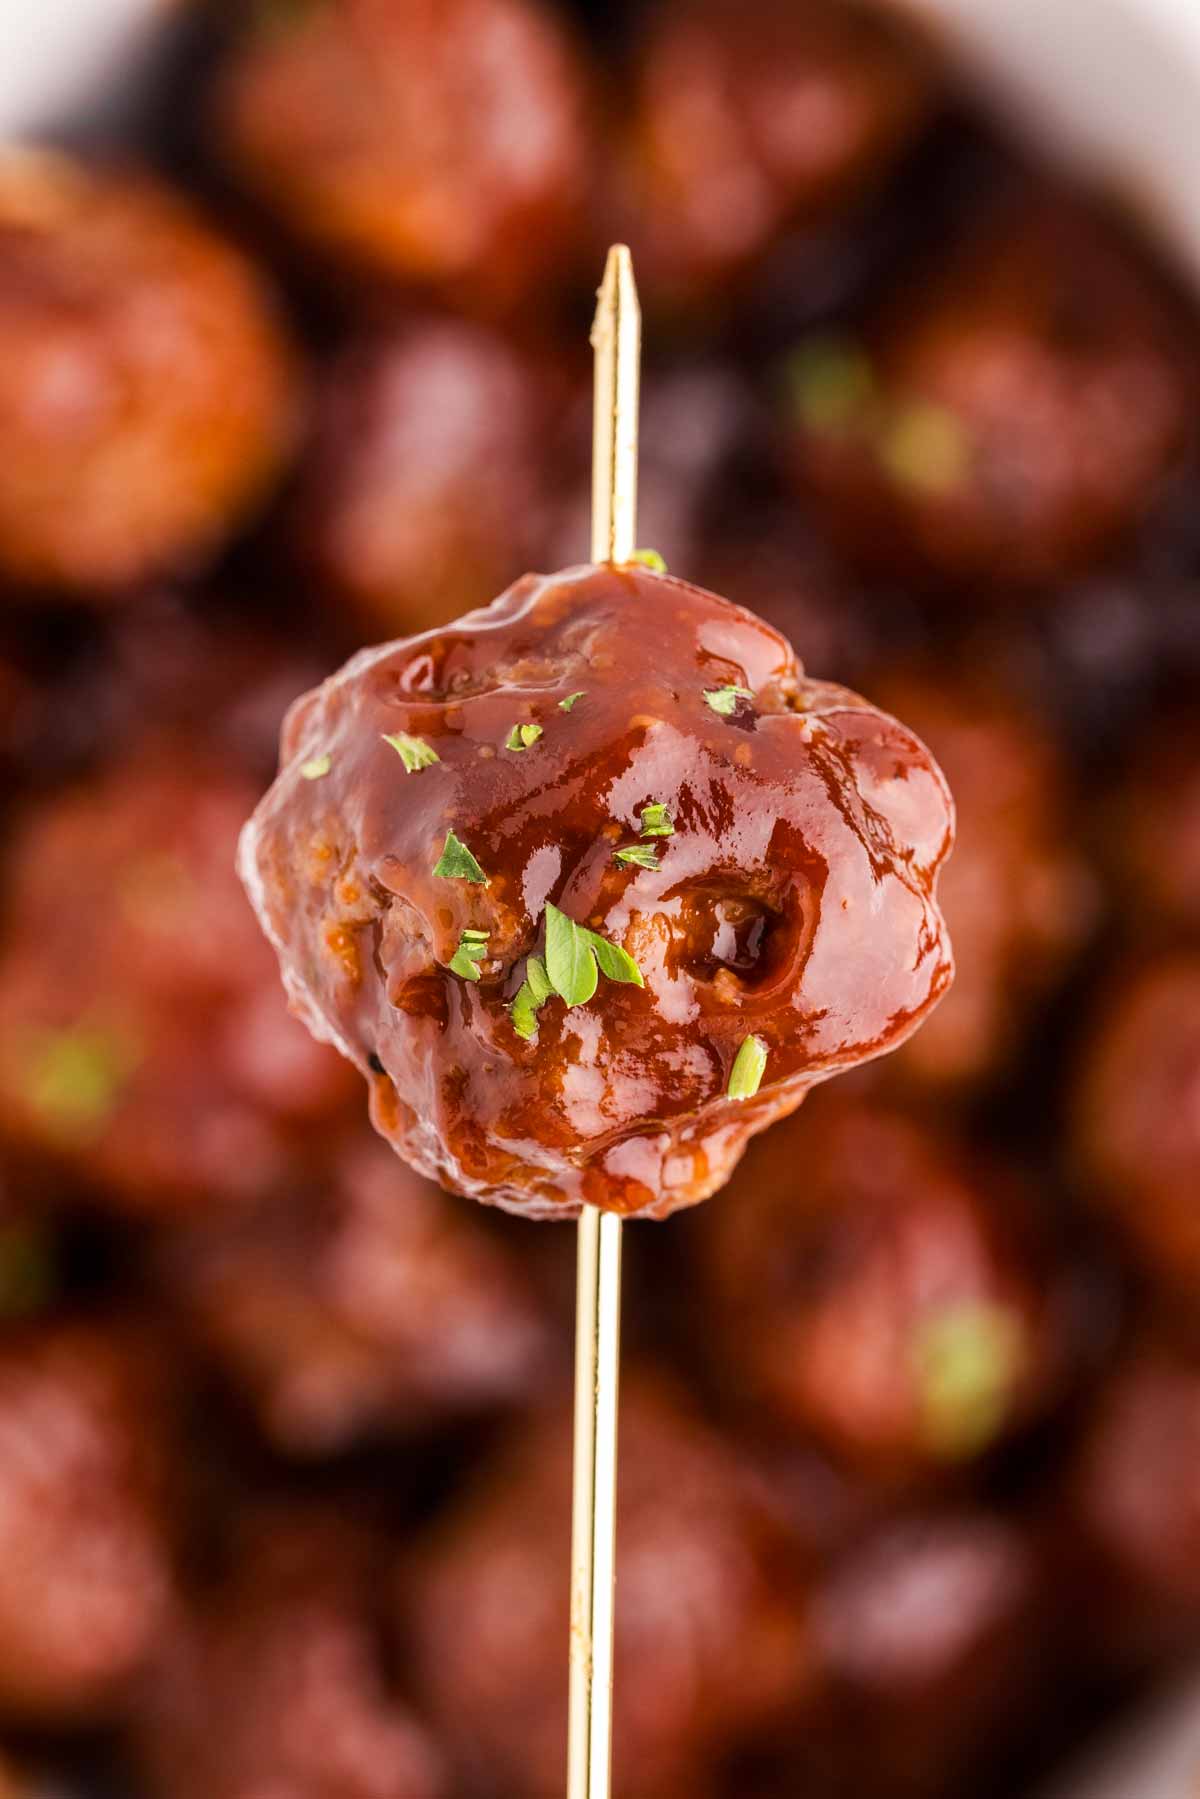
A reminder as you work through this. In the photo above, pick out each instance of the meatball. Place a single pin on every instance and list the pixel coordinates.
(1133, 1506)
(1150, 828)
(1018, 894)
(275, 1681)
(84, 1570)
(927, 1635)
(143, 1042)
(147, 397)
(1014, 420)
(1136, 1122)
(711, 1640)
(746, 123)
(436, 145)
(863, 1283)
(362, 1302)
(608, 773)
(427, 474)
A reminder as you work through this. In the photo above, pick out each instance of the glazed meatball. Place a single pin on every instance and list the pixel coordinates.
(1133, 1507)
(1014, 420)
(142, 1039)
(865, 1284)
(147, 398)
(436, 145)
(928, 1635)
(364, 1302)
(1149, 828)
(1018, 894)
(1136, 1125)
(745, 123)
(710, 1631)
(84, 1571)
(427, 475)
(275, 1682)
(569, 879)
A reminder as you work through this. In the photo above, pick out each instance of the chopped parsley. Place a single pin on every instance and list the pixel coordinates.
(414, 752)
(969, 1357)
(833, 385)
(316, 767)
(749, 1066)
(472, 948)
(574, 955)
(530, 997)
(522, 737)
(640, 855)
(456, 863)
(657, 821)
(650, 559)
(75, 1078)
(724, 699)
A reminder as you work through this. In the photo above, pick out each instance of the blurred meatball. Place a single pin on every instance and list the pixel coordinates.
(1150, 827)
(428, 478)
(1018, 895)
(440, 145)
(1132, 1516)
(146, 396)
(1011, 422)
(862, 1282)
(745, 122)
(710, 1632)
(275, 1683)
(143, 1040)
(368, 1300)
(1136, 1119)
(768, 560)
(929, 1645)
(84, 1575)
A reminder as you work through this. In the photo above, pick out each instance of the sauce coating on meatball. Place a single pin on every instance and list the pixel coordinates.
(596, 884)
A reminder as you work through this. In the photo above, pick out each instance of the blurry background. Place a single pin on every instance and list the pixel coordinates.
(293, 357)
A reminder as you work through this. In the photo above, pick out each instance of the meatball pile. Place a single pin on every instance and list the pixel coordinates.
(911, 1426)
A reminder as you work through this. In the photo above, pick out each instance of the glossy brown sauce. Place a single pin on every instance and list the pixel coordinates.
(794, 900)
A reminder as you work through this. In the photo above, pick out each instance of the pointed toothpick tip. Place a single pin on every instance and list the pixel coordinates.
(617, 292)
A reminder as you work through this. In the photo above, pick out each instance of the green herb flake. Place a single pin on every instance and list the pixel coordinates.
(650, 559)
(640, 855)
(924, 447)
(657, 821)
(472, 948)
(570, 960)
(316, 767)
(576, 957)
(968, 1359)
(28, 1275)
(414, 752)
(832, 386)
(749, 1066)
(456, 863)
(568, 705)
(522, 737)
(530, 997)
(75, 1078)
(724, 699)
(616, 964)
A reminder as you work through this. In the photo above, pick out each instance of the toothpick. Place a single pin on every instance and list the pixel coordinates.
(616, 340)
